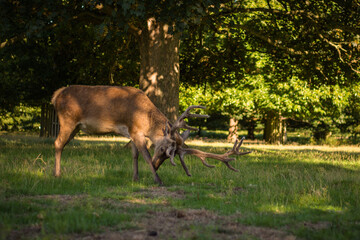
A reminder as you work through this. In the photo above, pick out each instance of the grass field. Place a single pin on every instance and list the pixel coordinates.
(280, 192)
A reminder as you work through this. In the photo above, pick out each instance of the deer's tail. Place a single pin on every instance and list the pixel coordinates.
(56, 94)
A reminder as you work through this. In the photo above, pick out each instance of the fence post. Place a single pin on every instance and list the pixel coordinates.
(49, 123)
(42, 118)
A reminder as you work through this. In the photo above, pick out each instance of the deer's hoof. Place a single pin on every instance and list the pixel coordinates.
(159, 182)
(136, 178)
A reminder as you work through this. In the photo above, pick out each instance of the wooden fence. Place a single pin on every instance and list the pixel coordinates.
(49, 123)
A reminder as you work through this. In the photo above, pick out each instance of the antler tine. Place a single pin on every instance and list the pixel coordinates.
(181, 156)
(180, 123)
(185, 135)
(205, 163)
(235, 149)
(221, 157)
(170, 152)
(231, 167)
(239, 145)
(187, 113)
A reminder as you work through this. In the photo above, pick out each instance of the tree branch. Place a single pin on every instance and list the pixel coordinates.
(134, 30)
(313, 17)
(267, 10)
(90, 17)
(274, 43)
(340, 51)
(321, 27)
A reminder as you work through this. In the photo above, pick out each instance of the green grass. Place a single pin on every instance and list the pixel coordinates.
(311, 192)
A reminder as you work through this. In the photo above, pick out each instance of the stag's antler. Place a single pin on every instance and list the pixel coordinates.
(180, 123)
(203, 155)
(182, 150)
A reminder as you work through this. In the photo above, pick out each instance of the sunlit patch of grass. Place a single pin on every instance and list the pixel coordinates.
(318, 148)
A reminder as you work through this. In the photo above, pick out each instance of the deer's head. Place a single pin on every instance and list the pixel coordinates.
(173, 143)
(164, 148)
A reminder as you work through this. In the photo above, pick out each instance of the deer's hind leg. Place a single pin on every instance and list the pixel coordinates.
(66, 133)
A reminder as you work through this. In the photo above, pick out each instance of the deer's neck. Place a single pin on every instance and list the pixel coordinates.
(158, 125)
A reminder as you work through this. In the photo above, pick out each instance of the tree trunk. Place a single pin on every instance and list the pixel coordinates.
(283, 131)
(251, 125)
(275, 128)
(159, 69)
(233, 128)
(321, 132)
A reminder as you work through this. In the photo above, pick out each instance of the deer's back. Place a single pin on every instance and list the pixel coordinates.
(104, 108)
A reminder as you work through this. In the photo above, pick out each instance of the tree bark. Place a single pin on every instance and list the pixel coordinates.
(275, 128)
(233, 128)
(251, 125)
(321, 132)
(159, 67)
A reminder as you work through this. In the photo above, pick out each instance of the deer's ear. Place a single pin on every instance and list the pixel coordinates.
(166, 131)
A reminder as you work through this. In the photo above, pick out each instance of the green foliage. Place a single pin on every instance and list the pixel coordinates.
(322, 108)
(270, 56)
(21, 118)
(250, 58)
(48, 44)
(352, 111)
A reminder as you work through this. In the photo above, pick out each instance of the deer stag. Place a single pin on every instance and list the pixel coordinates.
(128, 112)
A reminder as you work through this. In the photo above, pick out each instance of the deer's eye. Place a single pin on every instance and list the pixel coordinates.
(162, 149)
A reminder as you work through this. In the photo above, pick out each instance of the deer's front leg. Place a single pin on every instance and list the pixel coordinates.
(140, 144)
(135, 156)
